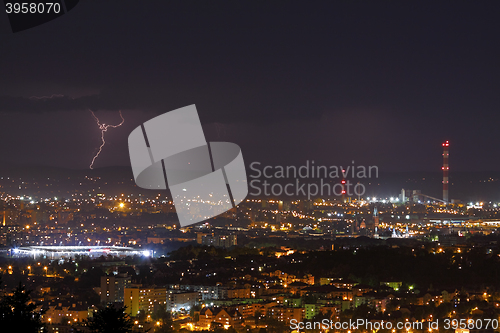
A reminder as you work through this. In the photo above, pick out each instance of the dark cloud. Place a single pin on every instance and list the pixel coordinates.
(58, 102)
(214, 106)
(38, 103)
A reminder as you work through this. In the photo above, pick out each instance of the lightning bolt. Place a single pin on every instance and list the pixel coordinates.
(103, 128)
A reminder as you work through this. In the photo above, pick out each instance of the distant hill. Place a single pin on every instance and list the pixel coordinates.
(44, 181)
(467, 186)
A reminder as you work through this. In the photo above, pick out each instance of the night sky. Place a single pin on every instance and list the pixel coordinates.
(380, 83)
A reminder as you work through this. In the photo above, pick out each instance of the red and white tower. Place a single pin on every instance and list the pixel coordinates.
(343, 186)
(445, 168)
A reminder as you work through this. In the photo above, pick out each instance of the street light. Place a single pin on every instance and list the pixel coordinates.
(45, 269)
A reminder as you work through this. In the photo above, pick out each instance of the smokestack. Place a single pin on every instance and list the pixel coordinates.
(445, 168)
